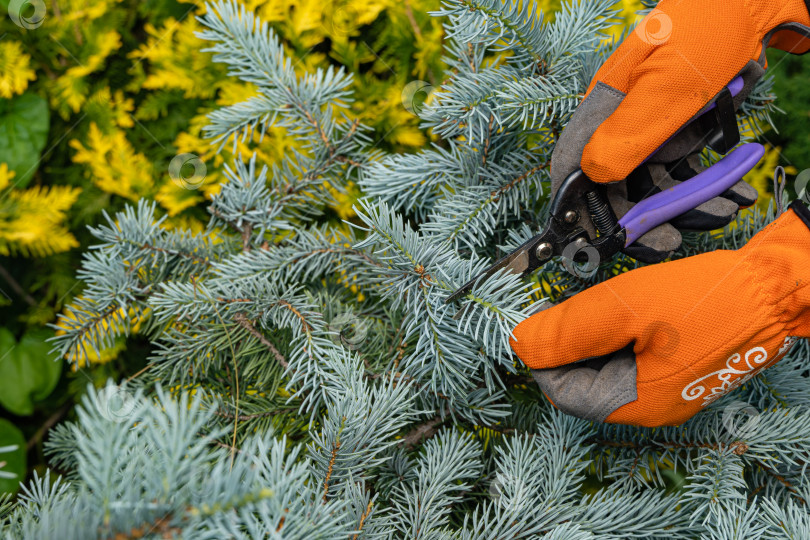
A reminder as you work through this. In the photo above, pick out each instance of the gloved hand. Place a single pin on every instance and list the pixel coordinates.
(665, 73)
(653, 346)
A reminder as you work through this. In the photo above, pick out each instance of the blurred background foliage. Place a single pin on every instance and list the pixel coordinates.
(97, 97)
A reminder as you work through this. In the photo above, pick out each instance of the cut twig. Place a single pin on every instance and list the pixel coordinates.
(15, 286)
(247, 325)
(48, 424)
(421, 432)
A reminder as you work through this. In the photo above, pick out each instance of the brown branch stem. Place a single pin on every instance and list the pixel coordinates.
(421, 433)
(16, 287)
(247, 325)
(48, 424)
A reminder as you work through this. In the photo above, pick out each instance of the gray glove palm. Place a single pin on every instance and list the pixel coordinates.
(676, 161)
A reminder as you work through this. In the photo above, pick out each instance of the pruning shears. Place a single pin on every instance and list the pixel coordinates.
(580, 199)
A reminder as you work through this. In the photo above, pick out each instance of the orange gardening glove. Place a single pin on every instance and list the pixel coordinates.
(652, 346)
(650, 91)
(677, 59)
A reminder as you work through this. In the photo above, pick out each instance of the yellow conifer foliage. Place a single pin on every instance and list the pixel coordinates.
(83, 11)
(112, 323)
(5, 176)
(80, 34)
(176, 61)
(114, 166)
(175, 198)
(111, 109)
(14, 69)
(70, 90)
(32, 220)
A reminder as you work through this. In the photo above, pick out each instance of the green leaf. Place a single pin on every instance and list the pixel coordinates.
(12, 457)
(24, 123)
(28, 371)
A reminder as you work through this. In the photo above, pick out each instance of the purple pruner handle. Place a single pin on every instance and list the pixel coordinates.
(663, 206)
(734, 87)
